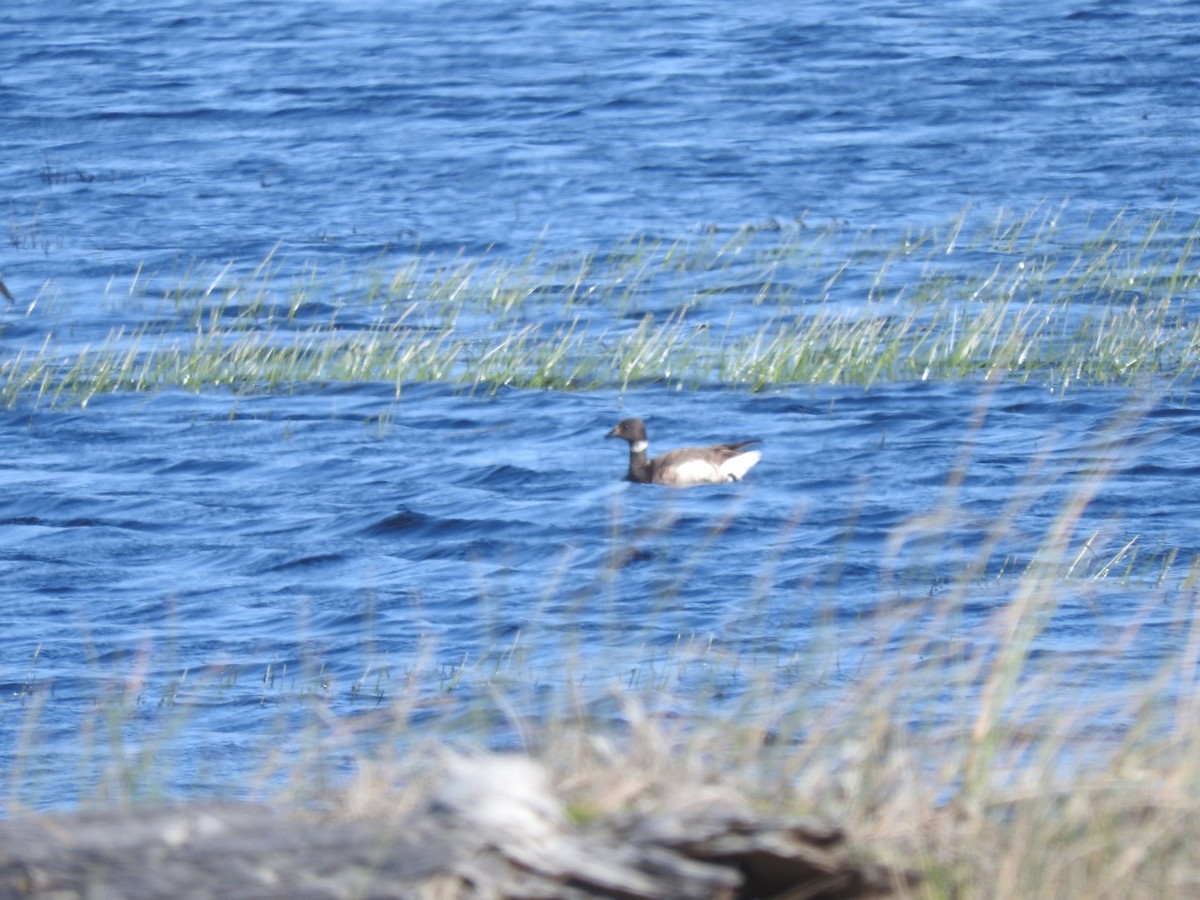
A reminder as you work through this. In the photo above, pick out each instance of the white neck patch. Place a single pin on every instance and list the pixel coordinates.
(639, 447)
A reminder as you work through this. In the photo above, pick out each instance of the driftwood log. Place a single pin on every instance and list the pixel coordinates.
(490, 827)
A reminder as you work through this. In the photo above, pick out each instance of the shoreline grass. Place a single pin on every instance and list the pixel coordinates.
(1007, 299)
(1032, 794)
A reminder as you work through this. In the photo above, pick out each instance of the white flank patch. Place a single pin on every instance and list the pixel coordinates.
(735, 468)
(692, 471)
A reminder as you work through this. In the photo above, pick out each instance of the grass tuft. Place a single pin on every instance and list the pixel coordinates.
(1008, 298)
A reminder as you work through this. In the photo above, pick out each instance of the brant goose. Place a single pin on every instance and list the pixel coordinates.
(686, 467)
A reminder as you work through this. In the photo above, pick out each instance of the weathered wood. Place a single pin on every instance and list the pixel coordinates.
(489, 828)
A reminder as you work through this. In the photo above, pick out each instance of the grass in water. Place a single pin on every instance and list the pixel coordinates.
(1010, 298)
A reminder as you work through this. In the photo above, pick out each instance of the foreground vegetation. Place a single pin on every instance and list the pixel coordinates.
(963, 754)
(1011, 297)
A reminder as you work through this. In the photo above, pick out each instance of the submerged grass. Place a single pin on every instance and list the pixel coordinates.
(1010, 298)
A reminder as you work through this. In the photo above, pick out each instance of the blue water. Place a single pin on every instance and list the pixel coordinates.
(237, 556)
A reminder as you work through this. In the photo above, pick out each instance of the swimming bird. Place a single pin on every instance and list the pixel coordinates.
(686, 467)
